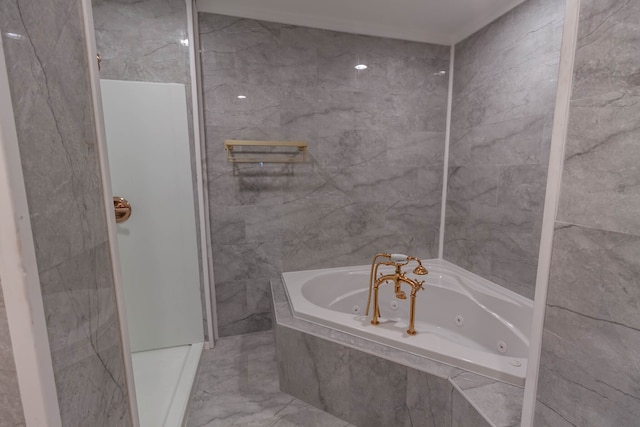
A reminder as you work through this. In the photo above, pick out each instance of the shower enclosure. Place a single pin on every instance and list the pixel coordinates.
(148, 147)
(151, 169)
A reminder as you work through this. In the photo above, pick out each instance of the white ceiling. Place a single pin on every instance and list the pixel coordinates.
(432, 21)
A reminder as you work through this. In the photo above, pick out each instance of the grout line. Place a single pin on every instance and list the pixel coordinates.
(595, 227)
(445, 169)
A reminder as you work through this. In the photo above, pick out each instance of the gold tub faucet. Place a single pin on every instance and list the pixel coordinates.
(397, 278)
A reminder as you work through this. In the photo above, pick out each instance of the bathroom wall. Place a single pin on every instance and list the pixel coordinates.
(142, 40)
(503, 100)
(47, 66)
(11, 413)
(589, 373)
(376, 142)
(147, 40)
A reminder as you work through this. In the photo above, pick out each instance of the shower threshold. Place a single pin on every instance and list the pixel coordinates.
(163, 380)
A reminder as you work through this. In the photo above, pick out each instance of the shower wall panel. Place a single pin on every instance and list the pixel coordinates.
(373, 180)
(589, 373)
(47, 64)
(503, 101)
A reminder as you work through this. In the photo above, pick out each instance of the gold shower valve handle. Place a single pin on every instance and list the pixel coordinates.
(121, 208)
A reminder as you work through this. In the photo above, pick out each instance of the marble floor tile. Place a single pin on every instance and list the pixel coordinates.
(237, 385)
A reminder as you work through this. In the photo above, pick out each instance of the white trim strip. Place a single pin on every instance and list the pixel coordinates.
(94, 78)
(20, 278)
(205, 182)
(445, 169)
(205, 243)
(554, 181)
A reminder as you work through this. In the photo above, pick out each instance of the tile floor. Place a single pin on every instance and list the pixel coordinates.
(237, 385)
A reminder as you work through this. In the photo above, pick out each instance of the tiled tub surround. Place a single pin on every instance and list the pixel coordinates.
(461, 319)
(503, 99)
(589, 373)
(237, 385)
(374, 179)
(370, 384)
(47, 65)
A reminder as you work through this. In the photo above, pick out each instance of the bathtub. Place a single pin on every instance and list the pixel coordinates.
(462, 319)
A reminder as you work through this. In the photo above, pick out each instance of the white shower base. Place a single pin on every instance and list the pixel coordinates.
(163, 380)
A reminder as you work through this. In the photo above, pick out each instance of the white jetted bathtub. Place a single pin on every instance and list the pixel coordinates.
(461, 319)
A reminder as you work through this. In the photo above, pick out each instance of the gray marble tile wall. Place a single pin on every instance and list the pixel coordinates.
(142, 40)
(11, 414)
(505, 79)
(589, 373)
(374, 177)
(47, 65)
(147, 40)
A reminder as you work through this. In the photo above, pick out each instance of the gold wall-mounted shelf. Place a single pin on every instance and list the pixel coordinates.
(266, 151)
